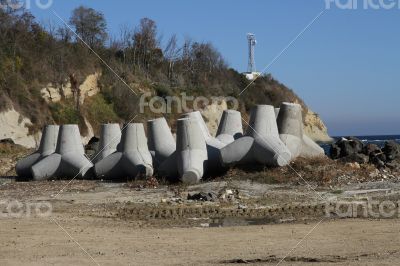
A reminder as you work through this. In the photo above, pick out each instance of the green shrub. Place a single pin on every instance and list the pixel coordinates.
(163, 90)
(98, 111)
(65, 113)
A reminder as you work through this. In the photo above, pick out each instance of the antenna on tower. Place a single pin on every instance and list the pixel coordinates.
(252, 44)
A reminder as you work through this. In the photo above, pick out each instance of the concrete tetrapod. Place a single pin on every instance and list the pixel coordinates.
(48, 145)
(290, 125)
(230, 127)
(261, 144)
(268, 148)
(68, 160)
(131, 159)
(277, 112)
(191, 150)
(204, 130)
(213, 145)
(161, 142)
(310, 148)
(110, 137)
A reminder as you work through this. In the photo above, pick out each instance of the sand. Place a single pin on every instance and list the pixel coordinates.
(90, 225)
(112, 242)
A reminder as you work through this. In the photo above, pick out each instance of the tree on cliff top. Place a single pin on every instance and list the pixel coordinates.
(90, 25)
(146, 45)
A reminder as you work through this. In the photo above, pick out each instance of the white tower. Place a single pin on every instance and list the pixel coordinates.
(252, 43)
(251, 73)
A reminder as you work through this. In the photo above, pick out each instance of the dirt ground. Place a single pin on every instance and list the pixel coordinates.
(113, 242)
(97, 223)
(254, 217)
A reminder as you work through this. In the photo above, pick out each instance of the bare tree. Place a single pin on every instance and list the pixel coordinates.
(126, 36)
(64, 34)
(172, 54)
(186, 54)
(90, 25)
(126, 44)
(145, 42)
(200, 60)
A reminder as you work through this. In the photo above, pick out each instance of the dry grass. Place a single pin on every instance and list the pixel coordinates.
(322, 171)
(9, 155)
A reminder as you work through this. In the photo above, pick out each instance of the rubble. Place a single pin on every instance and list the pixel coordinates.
(203, 196)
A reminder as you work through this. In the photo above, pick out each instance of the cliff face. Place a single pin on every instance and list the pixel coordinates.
(15, 126)
(315, 128)
(54, 94)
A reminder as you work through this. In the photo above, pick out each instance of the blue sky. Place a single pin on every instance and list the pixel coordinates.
(344, 66)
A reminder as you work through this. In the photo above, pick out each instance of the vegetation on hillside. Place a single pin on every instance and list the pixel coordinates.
(33, 55)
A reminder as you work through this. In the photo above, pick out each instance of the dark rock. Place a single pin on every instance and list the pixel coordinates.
(7, 141)
(382, 157)
(392, 150)
(371, 149)
(351, 150)
(93, 144)
(358, 158)
(335, 151)
(378, 162)
(353, 146)
(92, 147)
(93, 141)
(203, 196)
(393, 165)
(346, 147)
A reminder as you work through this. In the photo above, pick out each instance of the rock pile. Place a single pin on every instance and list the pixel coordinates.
(352, 149)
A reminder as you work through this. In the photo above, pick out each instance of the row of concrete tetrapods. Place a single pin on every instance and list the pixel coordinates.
(274, 137)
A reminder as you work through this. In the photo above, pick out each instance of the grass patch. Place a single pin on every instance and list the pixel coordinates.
(322, 171)
(65, 113)
(98, 111)
(10, 149)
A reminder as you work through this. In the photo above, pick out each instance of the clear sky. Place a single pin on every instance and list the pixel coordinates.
(344, 66)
